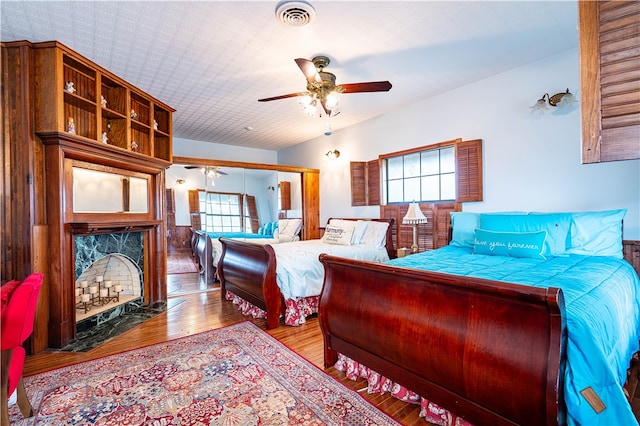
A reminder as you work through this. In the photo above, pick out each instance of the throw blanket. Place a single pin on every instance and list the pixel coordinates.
(299, 273)
(602, 302)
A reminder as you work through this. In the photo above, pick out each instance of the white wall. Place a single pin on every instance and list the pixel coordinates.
(531, 162)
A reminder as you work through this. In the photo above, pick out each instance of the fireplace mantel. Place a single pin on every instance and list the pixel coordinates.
(111, 227)
(62, 153)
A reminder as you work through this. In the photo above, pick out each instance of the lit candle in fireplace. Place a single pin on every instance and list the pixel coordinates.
(84, 284)
(93, 289)
(104, 292)
(99, 278)
(117, 288)
(107, 284)
(78, 291)
(85, 297)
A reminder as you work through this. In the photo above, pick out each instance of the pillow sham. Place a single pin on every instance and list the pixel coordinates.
(555, 224)
(513, 244)
(359, 227)
(337, 235)
(290, 227)
(375, 234)
(463, 226)
(597, 233)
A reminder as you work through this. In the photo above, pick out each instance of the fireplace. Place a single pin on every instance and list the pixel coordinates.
(109, 270)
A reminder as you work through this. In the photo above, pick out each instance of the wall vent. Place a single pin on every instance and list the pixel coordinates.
(295, 13)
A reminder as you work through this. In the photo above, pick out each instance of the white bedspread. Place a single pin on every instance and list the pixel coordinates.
(299, 272)
(217, 246)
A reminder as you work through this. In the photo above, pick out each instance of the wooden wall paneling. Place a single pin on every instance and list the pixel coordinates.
(17, 175)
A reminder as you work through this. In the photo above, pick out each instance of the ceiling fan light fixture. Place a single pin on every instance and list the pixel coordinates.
(332, 100)
(295, 13)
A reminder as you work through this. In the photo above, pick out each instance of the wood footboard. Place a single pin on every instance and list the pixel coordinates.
(488, 351)
(249, 271)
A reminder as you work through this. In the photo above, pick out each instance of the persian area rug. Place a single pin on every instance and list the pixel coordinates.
(237, 375)
(180, 263)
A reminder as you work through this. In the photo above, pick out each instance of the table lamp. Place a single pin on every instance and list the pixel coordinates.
(413, 217)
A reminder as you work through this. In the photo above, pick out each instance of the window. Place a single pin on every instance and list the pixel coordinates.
(446, 171)
(428, 175)
(220, 212)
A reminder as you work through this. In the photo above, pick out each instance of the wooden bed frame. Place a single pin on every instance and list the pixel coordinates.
(490, 352)
(249, 271)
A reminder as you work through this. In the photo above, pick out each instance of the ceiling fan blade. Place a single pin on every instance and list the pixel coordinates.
(372, 86)
(192, 167)
(275, 98)
(308, 68)
(219, 172)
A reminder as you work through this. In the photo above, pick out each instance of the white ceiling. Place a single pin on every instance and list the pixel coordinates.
(212, 60)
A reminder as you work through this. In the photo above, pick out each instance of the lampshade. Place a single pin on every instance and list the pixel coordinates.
(414, 215)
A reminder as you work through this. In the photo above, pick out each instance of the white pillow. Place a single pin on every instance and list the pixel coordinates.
(359, 227)
(289, 227)
(337, 235)
(375, 234)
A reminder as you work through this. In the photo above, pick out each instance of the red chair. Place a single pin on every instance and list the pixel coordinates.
(19, 301)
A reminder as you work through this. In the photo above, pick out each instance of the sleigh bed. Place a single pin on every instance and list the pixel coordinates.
(208, 247)
(479, 333)
(249, 274)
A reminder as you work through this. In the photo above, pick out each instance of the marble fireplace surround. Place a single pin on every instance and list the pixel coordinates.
(123, 254)
(117, 257)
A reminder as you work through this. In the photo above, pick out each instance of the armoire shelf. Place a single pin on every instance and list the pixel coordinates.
(77, 96)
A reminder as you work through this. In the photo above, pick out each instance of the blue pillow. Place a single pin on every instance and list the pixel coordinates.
(597, 233)
(268, 228)
(463, 225)
(513, 244)
(556, 225)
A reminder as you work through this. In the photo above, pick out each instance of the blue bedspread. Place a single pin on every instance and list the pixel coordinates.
(602, 312)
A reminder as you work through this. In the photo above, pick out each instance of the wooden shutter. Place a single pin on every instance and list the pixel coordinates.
(358, 183)
(194, 201)
(365, 183)
(253, 213)
(469, 171)
(285, 195)
(610, 80)
(170, 200)
(373, 183)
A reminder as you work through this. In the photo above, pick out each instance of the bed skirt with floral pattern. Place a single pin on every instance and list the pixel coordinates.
(296, 310)
(380, 384)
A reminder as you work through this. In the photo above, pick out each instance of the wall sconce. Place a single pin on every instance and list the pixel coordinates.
(180, 181)
(332, 155)
(414, 217)
(271, 188)
(562, 100)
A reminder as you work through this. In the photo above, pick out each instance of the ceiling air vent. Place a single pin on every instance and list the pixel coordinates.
(295, 13)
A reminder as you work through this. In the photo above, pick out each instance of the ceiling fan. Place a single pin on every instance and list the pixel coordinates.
(322, 88)
(209, 171)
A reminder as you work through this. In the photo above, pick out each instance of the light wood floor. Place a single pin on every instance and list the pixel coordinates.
(191, 313)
